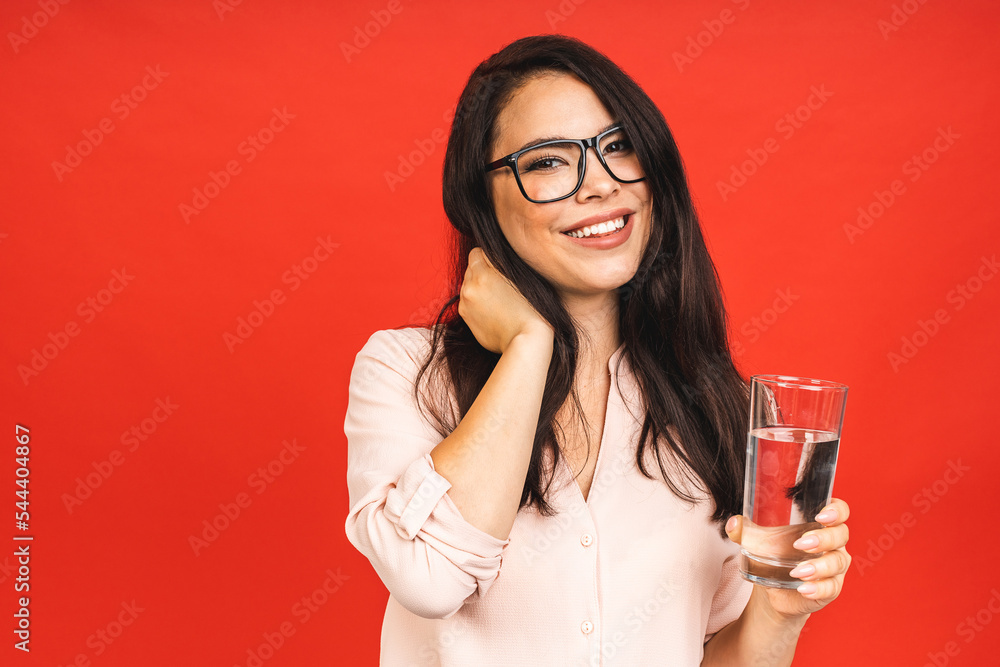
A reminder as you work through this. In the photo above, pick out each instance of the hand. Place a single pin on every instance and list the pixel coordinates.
(493, 307)
(823, 576)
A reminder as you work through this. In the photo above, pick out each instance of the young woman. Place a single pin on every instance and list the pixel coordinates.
(542, 477)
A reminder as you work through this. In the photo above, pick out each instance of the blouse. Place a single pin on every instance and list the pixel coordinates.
(631, 576)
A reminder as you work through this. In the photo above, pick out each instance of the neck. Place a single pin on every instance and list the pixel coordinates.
(596, 320)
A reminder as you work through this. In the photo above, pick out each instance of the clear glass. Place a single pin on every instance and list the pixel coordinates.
(792, 447)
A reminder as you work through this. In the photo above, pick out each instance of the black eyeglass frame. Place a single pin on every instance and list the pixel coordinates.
(593, 142)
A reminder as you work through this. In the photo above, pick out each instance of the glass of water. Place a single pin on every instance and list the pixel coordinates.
(792, 447)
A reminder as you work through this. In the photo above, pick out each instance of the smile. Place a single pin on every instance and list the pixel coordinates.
(608, 228)
(603, 235)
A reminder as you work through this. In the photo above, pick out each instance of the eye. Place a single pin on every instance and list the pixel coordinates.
(546, 163)
(619, 146)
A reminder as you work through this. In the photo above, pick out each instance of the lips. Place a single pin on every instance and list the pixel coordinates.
(605, 217)
(599, 229)
(602, 241)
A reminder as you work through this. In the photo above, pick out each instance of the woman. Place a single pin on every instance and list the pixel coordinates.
(541, 478)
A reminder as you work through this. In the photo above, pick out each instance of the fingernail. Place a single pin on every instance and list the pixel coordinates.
(807, 589)
(806, 542)
(803, 570)
(827, 515)
(731, 524)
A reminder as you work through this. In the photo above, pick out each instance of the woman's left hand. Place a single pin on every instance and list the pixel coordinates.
(823, 576)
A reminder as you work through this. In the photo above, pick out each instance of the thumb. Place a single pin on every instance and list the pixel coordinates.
(734, 528)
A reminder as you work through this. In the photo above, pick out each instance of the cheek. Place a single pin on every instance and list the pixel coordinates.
(521, 224)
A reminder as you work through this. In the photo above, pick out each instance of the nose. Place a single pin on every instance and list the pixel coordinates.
(597, 182)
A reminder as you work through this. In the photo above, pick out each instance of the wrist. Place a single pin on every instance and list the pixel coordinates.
(539, 335)
(764, 612)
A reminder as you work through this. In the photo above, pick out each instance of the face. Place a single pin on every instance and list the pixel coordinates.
(562, 106)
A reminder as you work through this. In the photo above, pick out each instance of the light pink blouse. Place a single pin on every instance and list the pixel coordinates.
(633, 576)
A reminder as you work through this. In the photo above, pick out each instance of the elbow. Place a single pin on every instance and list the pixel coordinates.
(430, 604)
(422, 579)
(427, 584)
(435, 593)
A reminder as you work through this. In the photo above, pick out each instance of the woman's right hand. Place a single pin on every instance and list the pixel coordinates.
(493, 307)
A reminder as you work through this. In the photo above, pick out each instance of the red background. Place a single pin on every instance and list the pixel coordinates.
(850, 301)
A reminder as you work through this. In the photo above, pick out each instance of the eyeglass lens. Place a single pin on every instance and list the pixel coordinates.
(553, 170)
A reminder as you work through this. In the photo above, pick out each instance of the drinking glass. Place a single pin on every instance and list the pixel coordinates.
(792, 446)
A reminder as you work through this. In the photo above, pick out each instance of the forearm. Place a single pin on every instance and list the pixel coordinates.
(758, 637)
(486, 457)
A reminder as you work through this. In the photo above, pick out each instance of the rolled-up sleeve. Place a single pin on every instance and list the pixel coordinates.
(401, 518)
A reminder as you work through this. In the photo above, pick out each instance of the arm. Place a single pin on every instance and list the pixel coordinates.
(757, 637)
(486, 458)
(767, 631)
(402, 518)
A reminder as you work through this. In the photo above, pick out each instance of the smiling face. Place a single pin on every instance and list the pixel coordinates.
(557, 105)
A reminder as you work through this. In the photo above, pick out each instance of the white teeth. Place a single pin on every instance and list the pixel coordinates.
(599, 228)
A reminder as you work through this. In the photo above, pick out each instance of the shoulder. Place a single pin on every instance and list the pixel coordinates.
(397, 348)
(403, 341)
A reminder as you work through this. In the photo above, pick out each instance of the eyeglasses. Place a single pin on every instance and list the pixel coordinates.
(554, 170)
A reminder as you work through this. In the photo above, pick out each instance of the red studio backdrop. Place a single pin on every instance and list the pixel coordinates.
(209, 206)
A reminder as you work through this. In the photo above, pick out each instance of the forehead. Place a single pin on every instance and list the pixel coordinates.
(549, 105)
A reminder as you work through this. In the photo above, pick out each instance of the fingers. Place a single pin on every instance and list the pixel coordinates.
(835, 513)
(822, 589)
(828, 565)
(734, 528)
(824, 539)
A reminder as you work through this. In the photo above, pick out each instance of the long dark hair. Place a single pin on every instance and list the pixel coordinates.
(671, 314)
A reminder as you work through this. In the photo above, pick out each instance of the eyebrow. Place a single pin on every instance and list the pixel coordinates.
(540, 140)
